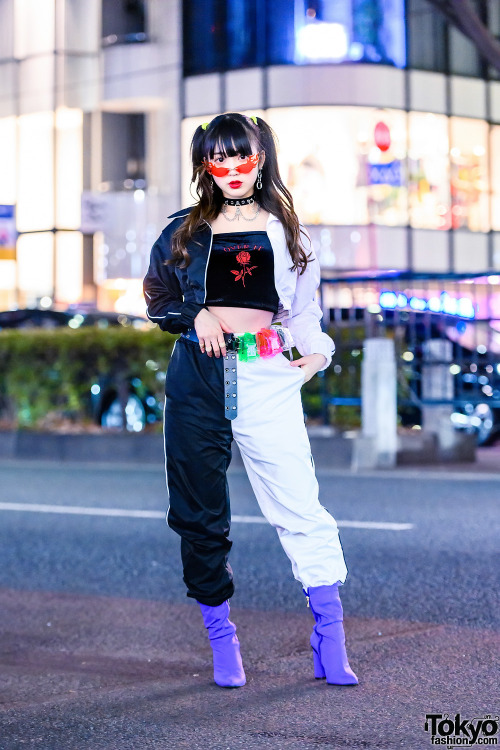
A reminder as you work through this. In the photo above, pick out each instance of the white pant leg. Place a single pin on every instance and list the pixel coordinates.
(274, 444)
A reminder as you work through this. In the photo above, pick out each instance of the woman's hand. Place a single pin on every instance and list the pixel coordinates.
(310, 364)
(210, 333)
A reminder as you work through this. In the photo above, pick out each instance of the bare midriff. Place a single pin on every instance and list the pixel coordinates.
(241, 319)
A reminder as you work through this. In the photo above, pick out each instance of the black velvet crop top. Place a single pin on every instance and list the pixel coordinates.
(240, 271)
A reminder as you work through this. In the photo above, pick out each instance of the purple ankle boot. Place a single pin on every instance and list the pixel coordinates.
(328, 638)
(228, 667)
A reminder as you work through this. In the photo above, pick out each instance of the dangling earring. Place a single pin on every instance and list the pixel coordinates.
(211, 184)
(258, 184)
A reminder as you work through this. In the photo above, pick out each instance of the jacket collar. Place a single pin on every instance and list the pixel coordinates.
(182, 212)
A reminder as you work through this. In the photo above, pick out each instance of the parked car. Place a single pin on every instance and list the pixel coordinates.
(127, 405)
(74, 318)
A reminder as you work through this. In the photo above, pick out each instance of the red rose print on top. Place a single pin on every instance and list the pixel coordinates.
(243, 259)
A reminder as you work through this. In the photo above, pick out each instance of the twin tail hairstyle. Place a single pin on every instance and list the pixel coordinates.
(231, 134)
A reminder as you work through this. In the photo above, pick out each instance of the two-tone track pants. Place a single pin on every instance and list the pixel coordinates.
(273, 441)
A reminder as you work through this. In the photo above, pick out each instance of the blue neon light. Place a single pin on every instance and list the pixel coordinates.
(461, 307)
(388, 300)
(417, 303)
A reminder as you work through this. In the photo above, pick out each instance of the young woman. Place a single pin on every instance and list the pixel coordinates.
(236, 276)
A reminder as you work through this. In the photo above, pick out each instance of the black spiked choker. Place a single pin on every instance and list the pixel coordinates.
(239, 201)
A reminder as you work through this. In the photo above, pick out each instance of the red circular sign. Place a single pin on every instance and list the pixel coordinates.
(382, 136)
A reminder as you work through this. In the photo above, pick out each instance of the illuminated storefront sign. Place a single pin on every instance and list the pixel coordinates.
(8, 237)
(382, 136)
(322, 41)
(343, 30)
(461, 306)
(8, 233)
(385, 174)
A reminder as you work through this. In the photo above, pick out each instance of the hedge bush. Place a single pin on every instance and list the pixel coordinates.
(46, 375)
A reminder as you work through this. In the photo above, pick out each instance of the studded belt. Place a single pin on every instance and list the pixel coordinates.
(267, 342)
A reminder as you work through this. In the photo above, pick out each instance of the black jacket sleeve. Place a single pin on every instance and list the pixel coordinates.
(163, 293)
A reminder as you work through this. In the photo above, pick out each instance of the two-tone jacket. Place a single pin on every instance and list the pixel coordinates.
(174, 296)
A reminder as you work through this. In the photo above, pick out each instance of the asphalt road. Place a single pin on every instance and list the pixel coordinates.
(100, 648)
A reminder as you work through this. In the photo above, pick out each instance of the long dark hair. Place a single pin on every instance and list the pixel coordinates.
(232, 134)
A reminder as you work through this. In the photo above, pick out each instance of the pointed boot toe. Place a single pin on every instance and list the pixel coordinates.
(228, 666)
(328, 637)
(334, 658)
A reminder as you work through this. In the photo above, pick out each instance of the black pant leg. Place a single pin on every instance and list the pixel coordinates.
(198, 453)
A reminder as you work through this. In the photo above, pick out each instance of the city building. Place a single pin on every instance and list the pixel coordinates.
(388, 122)
(89, 130)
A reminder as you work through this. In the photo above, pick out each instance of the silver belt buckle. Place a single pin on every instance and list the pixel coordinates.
(284, 335)
(285, 338)
(230, 385)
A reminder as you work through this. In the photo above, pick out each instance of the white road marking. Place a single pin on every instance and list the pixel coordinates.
(384, 525)
(80, 510)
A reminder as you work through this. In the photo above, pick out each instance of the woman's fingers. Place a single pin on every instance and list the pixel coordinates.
(218, 346)
(213, 340)
(214, 345)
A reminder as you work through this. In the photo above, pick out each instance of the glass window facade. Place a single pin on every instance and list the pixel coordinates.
(68, 167)
(34, 27)
(123, 150)
(469, 179)
(123, 21)
(8, 173)
(322, 31)
(493, 18)
(495, 178)
(245, 42)
(347, 168)
(427, 37)
(35, 266)
(204, 21)
(69, 267)
(429, 171)
(464, 57)
(434, 43)
(359, 166)
(35, 199)
(243, 33)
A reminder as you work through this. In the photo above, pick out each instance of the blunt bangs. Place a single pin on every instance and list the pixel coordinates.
(229, 138)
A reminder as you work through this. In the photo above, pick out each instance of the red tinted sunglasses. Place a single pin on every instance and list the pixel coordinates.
(243, 168)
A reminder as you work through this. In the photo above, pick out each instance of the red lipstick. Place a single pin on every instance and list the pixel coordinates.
(236, 184)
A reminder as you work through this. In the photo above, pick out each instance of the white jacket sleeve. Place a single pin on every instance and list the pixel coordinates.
(305, 320)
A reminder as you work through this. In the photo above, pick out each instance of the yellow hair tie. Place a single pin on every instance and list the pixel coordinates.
(253, 117)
